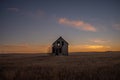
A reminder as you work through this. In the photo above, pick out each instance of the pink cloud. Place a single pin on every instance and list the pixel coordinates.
(13, 9)
(77, 24)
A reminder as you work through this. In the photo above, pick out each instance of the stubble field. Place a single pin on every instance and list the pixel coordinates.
(76, 66)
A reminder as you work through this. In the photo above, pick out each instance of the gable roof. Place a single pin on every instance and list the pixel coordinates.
(60, 38)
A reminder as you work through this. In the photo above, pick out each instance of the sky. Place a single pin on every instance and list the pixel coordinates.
(31, 26)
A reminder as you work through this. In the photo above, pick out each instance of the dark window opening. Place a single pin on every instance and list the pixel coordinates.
(62, 43)
(58, 42)
(53, 50)
(56, 51)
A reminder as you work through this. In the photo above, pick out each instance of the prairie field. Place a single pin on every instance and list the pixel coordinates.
(76, 66)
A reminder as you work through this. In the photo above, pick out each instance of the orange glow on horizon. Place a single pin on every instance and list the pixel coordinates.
(24, 49)
(47, 48)
(87, 48)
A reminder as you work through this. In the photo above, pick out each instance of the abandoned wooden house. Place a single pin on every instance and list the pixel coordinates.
(60, 47)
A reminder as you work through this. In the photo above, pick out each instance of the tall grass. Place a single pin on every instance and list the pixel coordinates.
(87, 67)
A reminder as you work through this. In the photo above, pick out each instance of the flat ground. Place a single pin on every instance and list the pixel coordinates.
(76, 66)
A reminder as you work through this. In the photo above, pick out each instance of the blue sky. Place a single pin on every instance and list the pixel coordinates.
(88, 25)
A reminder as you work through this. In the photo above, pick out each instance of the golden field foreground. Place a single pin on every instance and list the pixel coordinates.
(76, 66)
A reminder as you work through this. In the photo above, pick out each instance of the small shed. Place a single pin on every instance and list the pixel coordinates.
(60, 47)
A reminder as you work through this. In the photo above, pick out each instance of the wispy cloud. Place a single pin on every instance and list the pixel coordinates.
(31, 13)
(40, 12)
(116, 26)
(96, 47)
(13, 9)
(35, 13)
(99, 41)
(77, 24)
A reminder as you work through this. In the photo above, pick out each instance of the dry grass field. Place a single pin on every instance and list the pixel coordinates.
(76, 66)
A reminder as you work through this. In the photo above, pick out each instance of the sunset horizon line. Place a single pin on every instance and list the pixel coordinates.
(49, 53)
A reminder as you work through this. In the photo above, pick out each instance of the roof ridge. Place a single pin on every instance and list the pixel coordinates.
(62, 39)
